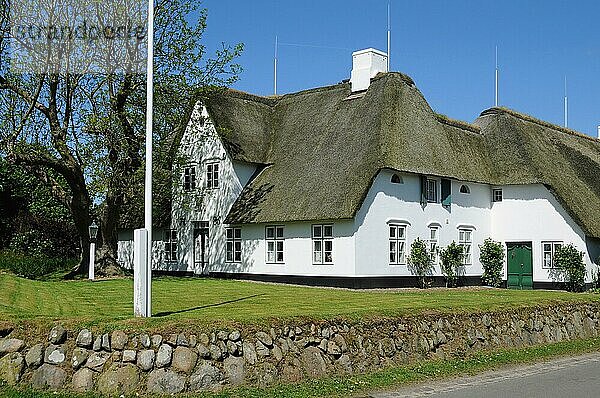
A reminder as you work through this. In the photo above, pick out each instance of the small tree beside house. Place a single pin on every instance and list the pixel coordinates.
(420, 262)
(451, 263)
(570, 261)
(491, 256)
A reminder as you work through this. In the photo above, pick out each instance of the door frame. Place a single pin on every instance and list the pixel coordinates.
(508, 244)
(200, 228)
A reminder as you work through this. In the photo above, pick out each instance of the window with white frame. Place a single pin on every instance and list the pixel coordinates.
(274, 238)
(233, 246)
(397, 240)
(465, 189)
(189, 178)
(212, 175)
(431, 192)
(322, 237)
(548, 250)
(496, 195)
(434, 239)
(465, 239)
(170, 245)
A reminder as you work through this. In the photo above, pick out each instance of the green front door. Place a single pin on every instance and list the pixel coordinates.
(520, 266)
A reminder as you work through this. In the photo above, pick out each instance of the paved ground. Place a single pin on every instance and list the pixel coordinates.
(566, 377)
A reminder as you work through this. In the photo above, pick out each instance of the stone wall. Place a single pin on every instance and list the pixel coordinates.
(193, 360)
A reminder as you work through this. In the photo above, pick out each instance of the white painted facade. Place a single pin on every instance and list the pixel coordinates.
(361, 246)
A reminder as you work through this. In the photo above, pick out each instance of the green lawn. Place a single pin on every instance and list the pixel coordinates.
(210, 300)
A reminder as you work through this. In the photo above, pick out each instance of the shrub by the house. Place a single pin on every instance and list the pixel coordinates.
(451, 263)
(491, 256)
(420, 262)
(570, 261)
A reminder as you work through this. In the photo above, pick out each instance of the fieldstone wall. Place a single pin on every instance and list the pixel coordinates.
(192, 360)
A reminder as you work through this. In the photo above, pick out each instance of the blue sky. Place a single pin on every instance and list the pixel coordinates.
(447, 47)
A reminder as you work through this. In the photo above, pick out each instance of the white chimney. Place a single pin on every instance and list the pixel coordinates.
(598, 132)
(365, 65)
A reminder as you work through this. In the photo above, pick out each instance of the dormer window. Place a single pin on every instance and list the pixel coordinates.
(496, 195)
(431, 192)
(396, 179)
(189, 178)
(212, 175)
(465, 189)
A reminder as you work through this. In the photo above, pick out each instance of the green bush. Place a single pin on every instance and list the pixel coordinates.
(491, 256)
(420, 262)
(33, 267)
(451, 263)
(570, 261)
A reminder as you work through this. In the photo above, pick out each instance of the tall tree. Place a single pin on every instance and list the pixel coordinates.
(82, 134)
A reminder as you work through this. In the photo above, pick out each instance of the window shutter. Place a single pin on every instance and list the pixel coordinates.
(423, 191)
(446, 193)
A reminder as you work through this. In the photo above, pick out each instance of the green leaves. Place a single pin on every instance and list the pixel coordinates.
(570, 261)
(420, 262)
(451, 263)
(491, 256)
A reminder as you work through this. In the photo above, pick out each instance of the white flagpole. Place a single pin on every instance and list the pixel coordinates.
(275, 69)
(148, 183)
(388, 37)
(566, 105)
(496, 90)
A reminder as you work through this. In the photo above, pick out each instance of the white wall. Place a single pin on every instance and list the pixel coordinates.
(387, 201)
(530, 213)
(297, 251)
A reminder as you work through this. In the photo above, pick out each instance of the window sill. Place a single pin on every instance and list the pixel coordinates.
(275, 262)
(327, 264)
(397, 265)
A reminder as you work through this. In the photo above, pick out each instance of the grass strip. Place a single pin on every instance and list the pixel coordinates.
(394, 377)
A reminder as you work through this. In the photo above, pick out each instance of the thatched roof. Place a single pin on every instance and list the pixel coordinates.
(323, 149)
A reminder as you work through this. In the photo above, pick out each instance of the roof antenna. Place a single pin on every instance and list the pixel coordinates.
(566, 105)
(496, 91)
(388, 36)
(275, 69)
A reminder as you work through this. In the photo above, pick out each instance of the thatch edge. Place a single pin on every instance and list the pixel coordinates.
(543, 123)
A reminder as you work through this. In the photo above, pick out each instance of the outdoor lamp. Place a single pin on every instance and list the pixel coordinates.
(93, 234)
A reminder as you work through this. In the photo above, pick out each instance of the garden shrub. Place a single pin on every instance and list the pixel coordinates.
(491, 256)
(451, 263)
(420, 262)
(33, 267)
(570, 261)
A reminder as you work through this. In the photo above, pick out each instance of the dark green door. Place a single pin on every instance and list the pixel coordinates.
(520, 266)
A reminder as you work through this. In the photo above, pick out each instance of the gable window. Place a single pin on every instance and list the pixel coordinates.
(434, 239)
(274, 238)
(431, 192)
(397, 239)
(465, 239)
(171, 245)
(322, 237)
(189, 178)
(548, 250)
(233, 246)
(496, 195)
(396, 179)
(465, 189)
(212, 175)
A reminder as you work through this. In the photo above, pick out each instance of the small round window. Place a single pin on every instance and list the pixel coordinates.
(464, 189)
(396, 179)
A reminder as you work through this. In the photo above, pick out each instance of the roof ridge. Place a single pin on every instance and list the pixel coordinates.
(458, 123)
(528, 118)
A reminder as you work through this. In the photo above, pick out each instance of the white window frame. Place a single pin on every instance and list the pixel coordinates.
(170, 245)
(233, 245)
(495, 196)
(467, 244)
(274, 238)
(322, 240)
(397, 244)
(212, 175)
(189, 177)
(553, 246)
(434, 243)
(429, 184)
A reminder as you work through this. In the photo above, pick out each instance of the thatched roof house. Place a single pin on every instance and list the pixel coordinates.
(321, 150)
